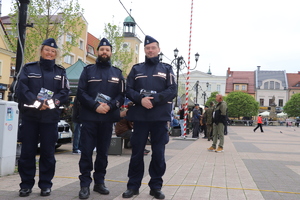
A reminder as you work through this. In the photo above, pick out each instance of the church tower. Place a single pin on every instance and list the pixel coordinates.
(131, 40)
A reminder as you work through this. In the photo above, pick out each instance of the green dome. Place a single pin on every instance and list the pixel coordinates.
(129, 19)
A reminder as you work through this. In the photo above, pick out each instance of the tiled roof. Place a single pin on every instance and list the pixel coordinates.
(242, 77)
(263, 75)
(293, 80)
(93, 42)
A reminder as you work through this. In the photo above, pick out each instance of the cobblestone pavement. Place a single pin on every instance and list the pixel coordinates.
(253, 166)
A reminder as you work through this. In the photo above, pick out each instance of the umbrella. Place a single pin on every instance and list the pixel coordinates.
(265, 113)
(282, 114)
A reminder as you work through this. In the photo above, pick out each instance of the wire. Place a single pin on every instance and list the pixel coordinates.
(131, 17)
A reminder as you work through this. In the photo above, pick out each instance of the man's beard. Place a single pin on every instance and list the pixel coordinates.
(103, 59)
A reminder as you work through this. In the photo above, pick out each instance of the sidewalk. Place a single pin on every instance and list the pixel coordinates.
(254, 166)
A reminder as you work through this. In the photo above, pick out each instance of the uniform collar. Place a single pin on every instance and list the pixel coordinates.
(152, 61)
(47, 64)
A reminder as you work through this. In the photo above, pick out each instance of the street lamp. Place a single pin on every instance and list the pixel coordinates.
(204, 92)
(160, 56)
(180, 65)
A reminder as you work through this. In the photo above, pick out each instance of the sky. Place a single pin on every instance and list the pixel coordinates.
(240, 34)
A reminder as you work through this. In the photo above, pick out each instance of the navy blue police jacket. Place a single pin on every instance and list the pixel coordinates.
(104, 79)
(156, 77)
(34, 76)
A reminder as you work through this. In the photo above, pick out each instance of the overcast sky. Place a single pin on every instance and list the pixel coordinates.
(240, 34)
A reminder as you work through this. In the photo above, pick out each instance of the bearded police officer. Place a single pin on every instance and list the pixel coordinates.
(100, 93)
(42, 87)
(151, 86)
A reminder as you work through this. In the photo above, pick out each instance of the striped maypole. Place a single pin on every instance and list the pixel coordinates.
(188, 73)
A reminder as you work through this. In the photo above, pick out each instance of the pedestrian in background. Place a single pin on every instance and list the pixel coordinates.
(209, 120)
(100, 93)
(196, 121)
(41, 89)
(151, 87)
(219, 119)
(259, 124)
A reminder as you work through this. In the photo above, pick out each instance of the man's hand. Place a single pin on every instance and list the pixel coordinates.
(44, 106)
(146, 102)
(103, 108)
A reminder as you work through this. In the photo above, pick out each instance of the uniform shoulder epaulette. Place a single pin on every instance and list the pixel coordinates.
(32, 63)
(88, 65)
(138, 64)
(60, 66)
(117, 68)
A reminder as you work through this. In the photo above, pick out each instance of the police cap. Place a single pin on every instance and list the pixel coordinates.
(149, 39)
(50, 42)
(104, 42)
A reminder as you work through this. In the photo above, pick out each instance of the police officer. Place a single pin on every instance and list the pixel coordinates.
(151, 86)
(42, 87)
(100, 93)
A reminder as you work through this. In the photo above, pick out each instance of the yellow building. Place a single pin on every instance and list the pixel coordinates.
(6, 68)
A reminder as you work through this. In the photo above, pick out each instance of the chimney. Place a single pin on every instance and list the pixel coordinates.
(258, 68)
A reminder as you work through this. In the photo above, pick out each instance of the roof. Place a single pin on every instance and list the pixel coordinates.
(74, 71)
(265, 74)
(93, 42)
(240, 77)
(129, 19)
(293, 80)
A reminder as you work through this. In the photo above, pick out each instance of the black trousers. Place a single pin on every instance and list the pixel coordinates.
(159, 138)
(259, 125)
(31, 133)
(94, 134)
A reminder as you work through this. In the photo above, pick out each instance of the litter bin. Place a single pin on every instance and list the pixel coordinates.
(9, 116)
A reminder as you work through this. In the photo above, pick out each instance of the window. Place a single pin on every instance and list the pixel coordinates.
(209, 88)
(244, 87)
(219, 88)
(270, 102)
(237, 87)
(126, 46)
(277, 86)
(136, 48)
(271, 85)
(12, 71)
(280, 102)
(266, 85)
(81, 45)
(91, 49)
(69, 59)
(69, 38)
(261, 102)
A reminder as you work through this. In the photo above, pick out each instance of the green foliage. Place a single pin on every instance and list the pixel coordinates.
(122, 57)
(241, 104)
(50, 18)
(292, 107)
(212, 98)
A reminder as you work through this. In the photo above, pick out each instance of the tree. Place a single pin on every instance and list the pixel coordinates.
(241, 104)
(50, 18)
(122, 56)
(212, 98)
(292, 106)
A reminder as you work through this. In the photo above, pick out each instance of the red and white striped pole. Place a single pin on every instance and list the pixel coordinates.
(188, 73)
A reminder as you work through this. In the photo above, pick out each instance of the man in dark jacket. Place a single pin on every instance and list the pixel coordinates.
(151, 87)
(100, 93)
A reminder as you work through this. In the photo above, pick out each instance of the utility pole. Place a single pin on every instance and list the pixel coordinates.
(21, 44)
